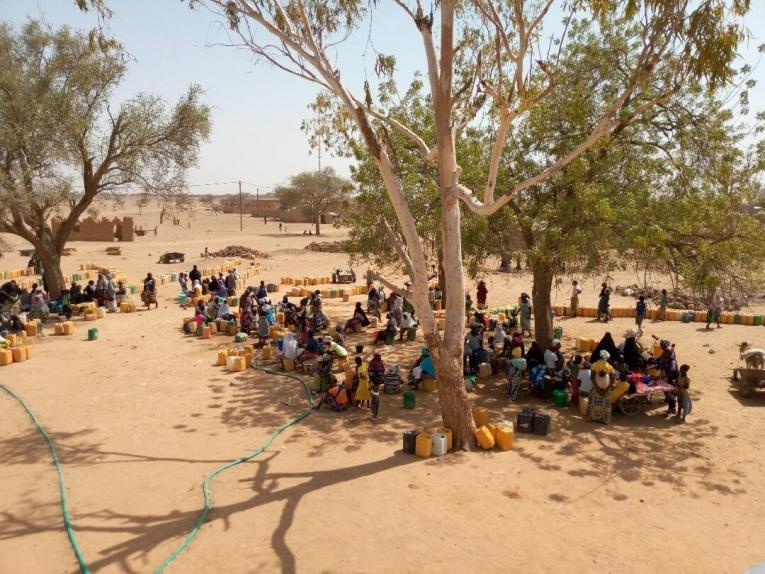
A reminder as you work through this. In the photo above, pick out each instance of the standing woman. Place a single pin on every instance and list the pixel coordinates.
(149, 294)
(111, 295)
(604, 303)
(525, 314)
(245, 311)
(101, 291)
(481, 294)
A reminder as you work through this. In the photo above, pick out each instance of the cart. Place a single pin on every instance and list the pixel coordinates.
(343, 276)
(748, 380)
(638, 402)
(172, 257)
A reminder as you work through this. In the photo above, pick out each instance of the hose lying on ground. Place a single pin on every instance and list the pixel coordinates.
(61, 484)
(84, 568)
(249, 456)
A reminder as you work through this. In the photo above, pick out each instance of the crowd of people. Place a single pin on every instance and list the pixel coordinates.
(35, 302)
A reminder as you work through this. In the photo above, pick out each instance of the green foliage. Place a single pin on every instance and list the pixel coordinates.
(314, 193)
(56, 121)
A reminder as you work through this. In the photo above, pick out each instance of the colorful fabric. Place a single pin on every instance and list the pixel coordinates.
(363, 390)
(599, 407)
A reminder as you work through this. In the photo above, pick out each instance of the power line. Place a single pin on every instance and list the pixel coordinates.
(210, 184)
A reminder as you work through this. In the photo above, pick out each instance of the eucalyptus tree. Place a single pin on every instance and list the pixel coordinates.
(485, 58)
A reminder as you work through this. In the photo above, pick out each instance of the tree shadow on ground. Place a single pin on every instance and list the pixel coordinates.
(148, 531)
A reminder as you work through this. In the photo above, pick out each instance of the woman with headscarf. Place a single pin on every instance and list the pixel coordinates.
(515, 347)
(633, 358)
(525, 313)
(607, 344)
(501, 340)
(149, 294)
(481, 294)
(373, 308)
(111, 294)
(535, 356)
(377, 369)
(263, 327)
(599, 406)
(245, 311)
(100, 292)
(397, 308)
(359, 318)
(301, 320)
(423, 368)
(391, 328)
(604, 303)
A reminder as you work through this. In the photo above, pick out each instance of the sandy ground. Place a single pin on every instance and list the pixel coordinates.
(141, 415)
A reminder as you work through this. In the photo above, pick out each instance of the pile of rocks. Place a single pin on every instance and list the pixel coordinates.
(239, 251)
(327, 247)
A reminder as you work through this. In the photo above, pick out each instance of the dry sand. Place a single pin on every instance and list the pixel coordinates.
(141, 415)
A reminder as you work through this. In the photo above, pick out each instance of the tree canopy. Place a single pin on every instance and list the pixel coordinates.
(57, 127)
(315, 193)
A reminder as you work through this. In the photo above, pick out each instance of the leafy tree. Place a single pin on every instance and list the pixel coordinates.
(314, 193)
(484, 65)
(704, 227)
(56, 121)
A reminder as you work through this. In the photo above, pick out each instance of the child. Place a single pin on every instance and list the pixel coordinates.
(375, 393)
(361, 384)
(684, 404)
(640, 311)
(573, 367)
(584, 378)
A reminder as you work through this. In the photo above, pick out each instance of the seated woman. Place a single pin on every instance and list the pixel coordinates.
(39, 304)
(501, 340)
(12, 324)
(359, 318)
(633, 358)
(515, 348)
(224, 311)
(376, 369)
(535, 356)
(407, 323)
(200, 313)
(391, 328)
(423, 368)
(312, 348)
(607, 344)
(339, 335)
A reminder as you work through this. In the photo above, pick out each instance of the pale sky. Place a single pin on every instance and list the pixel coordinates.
(256, 109)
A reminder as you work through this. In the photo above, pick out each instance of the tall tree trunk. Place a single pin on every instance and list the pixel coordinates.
(540, 296)
(506, 262)
(162, 214)
(318, 224)
(51, 264)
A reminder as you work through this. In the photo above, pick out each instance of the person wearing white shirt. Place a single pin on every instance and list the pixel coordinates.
(585, 380)
(552, 356)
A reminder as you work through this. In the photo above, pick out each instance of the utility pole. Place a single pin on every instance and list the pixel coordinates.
(241, 224)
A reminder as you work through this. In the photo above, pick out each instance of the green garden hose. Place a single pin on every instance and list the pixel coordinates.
(205, 484)
(61, 485)
(208, 479)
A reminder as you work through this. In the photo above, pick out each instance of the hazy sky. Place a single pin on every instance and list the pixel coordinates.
(256, 109)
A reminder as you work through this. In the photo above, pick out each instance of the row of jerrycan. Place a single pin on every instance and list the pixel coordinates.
(425, 443)
(15, 355)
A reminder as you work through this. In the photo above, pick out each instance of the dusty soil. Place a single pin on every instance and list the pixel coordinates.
(141, 415)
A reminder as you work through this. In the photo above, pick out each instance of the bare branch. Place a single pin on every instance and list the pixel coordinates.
(426, 152)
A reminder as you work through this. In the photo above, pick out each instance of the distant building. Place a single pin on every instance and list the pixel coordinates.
(90, 229)
(270, 207)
